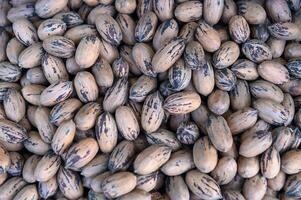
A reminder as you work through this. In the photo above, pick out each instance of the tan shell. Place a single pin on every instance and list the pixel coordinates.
(146, 27)
(56, 92)
(278, 10)
(219, 133)
(86, 117)
(152, 112)
(239, 29)
(203, 79)
(166, 31)
(25, 31)
(5, 160)
(64, 111)
(218, 102)
(285, 31)
(14, 105)
(163, 9)
(35, 144)
(277, 183)
(242, 120)
(182, 102)
(274, 72)
(149, 182)
(31, 56)
(167, 55)
(271, 111)
(151, 159)
(255, 187)
(97, 165)
(248, 167)
(122, 156)
(245, 69)
(43, 124)
(85, 86)
(106, 132)
(87, 51)
(189, 11)
(51, 27)
(225, 170)
(213, 10)
(28, 192)
(70, 183)
(119, 184)
(129, 130)
(136, 194)
(11, 187)
(31, 93)
(142, 87)
(12, 132)
(253, 12)
(266, 90)
(59, 46)
(47, 166)
(176, 188)
(142, 55)
(227, 54)
(116, 95)
(277, 46)
(255, 143)
(270, 163)
(48, 188)
(81, 153)
(164, 137)
(202, 185)
(208, 37)
(78, 32)
(13, 50)
(29, 168)
(179, 162)
(109, 29)
(46, 9)
(103, 73)
(54, 69)
(96, 182)
(204, 155)
(290, 162)
(187, 31)
(127, 26)
(63, 137)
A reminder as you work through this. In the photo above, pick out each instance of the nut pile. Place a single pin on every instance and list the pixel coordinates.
(150, 99)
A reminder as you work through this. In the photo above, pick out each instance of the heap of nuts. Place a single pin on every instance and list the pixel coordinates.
(150, 99)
